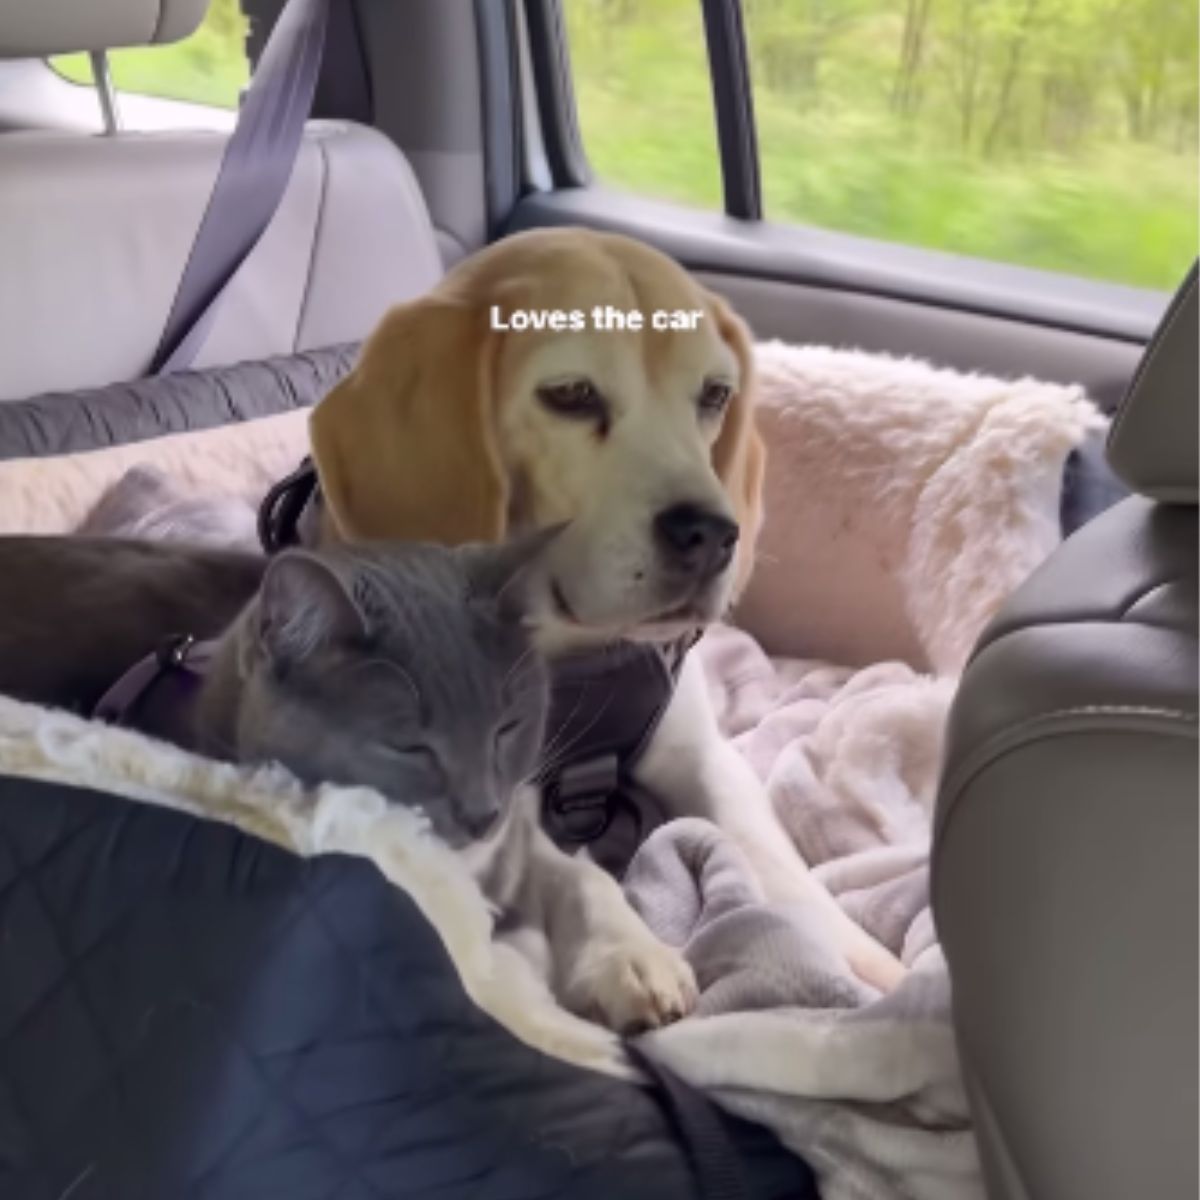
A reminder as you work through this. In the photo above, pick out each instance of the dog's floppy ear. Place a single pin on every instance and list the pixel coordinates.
(404, 446)
(739, 455)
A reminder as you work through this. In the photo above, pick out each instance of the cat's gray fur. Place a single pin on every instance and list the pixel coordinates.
(77, 612)
(408, 669)
(148, 503)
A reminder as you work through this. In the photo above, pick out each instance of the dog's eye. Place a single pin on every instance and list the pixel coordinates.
(714, 397)
(577, 399)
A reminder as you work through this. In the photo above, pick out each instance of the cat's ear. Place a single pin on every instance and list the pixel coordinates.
(510, 573)
(304, 604)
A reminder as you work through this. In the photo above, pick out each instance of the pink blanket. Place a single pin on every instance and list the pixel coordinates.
(866, 1087)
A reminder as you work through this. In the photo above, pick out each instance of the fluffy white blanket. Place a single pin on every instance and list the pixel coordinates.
(904, 502)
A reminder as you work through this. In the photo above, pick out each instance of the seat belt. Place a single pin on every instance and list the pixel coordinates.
(252, 177)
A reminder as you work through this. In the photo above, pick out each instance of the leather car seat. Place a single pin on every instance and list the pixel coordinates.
(1064, 872)
(98, 228)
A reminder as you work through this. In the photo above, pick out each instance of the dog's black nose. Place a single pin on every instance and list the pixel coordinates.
(694, 540)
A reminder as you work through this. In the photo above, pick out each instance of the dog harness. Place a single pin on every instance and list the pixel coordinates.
(604, 708)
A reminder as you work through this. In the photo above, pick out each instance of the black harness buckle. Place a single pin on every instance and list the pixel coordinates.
(173, 652)
(579, 799)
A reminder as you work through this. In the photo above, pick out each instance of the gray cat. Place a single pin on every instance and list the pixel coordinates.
(408, 669)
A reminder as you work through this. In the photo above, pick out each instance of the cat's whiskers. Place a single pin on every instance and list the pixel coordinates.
(510, 674)
(552, 757)
(554, 752)
(550, 747)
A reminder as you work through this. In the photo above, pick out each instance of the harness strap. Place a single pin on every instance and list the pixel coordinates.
(579, 799)
(716, 1162)
(178, 655)
(281, 509)
(605, 707)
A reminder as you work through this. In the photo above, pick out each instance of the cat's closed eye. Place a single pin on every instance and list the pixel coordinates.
(508, 729)
(506, 736)
(415, 754)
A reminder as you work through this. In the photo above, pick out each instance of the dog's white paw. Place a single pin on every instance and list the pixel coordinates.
(633, 983)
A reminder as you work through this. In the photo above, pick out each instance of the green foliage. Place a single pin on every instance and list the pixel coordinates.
(1052, 133)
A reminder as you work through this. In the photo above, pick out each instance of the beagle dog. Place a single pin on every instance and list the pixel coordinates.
(572, 377)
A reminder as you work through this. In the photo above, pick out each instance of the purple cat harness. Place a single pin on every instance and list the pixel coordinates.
(158, 693)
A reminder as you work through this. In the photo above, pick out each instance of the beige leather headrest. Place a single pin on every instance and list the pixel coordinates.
(1153, 444)
(34, 28)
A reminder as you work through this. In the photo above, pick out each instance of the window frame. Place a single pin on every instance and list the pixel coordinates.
(554, 87)
(740, 239)
(733, 108)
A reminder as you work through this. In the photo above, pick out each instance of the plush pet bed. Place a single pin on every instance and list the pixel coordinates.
(187, 1009)
(904, 504)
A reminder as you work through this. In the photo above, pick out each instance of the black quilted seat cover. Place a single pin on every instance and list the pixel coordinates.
(187, 1013)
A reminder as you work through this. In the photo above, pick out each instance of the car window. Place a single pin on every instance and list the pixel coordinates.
(643, 96)
(210, 67)
(1058, 134)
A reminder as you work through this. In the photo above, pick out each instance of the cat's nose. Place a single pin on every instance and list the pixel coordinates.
(480, 822)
